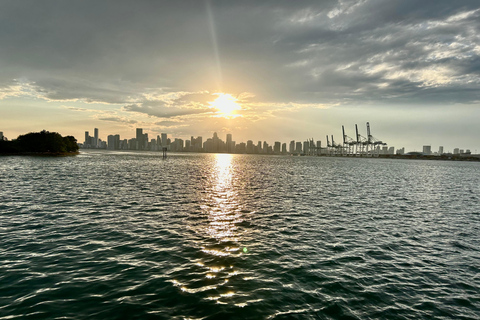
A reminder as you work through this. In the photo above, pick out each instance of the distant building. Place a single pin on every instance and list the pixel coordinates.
(123, 144)
(132, 144)
(306, 147)
(1, 135)
(319, 147)
(164, 139)
(276, 147)
(153, 145)
(241, 148)
(291, 147)
(95, 136)
(284, 148)
(298, 147)
(196, 144)
(140, 139)
(456, 151)
(111, 142)
(440, 150)
(229, 142)
(427, 150)
(400, 151)
(265, 147)
(249, 146)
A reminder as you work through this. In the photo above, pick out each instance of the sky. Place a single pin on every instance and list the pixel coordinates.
(285, 70)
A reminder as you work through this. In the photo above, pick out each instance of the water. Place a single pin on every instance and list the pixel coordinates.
(107, 235)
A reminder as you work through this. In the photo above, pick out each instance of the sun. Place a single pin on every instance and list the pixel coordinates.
(226, 106)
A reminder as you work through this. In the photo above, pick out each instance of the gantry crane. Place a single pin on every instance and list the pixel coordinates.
(348, 143)
(372, 140)
(362, 142)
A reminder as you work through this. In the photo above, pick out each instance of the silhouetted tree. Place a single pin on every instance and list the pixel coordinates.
(41, 142)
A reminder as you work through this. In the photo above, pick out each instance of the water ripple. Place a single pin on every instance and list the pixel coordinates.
(128, 236)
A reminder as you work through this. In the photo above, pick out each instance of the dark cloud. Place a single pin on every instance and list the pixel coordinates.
(282, 51)
(165, 112)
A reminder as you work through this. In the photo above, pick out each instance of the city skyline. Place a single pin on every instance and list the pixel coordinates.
(269, 71)
(197, 144)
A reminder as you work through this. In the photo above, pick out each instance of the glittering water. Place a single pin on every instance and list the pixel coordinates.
(107, 235)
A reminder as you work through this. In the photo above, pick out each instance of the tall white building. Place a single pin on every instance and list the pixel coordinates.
(427, 150)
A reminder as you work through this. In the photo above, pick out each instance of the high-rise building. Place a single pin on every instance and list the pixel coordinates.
(284, 148)
(249, 146)
(95, 136)
(139, 137)
(259, 147)
(229, 143)
(164, 140)
(456, 151)
(427, 150)
(276, 147)
(153, 145)
(111, 142)
(291, 147)
(306, 147)
(298, 147)
(1, 135)
(440, 150)
(87, 139)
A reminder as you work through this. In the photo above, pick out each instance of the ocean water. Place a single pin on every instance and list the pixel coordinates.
(119, 235)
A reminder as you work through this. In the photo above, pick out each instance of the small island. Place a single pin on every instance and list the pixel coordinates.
(40, 143)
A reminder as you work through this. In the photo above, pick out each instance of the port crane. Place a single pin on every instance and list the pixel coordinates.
(348, 143)
(359, 145)
(362, 142)
(374, 142)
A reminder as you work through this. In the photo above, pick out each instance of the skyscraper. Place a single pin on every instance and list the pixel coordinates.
(229, 143)
(140, 137)
(164, 139)
(95, 136)
(291, 147)
(276, 147)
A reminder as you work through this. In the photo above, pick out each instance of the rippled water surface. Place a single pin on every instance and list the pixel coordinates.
(107, 235)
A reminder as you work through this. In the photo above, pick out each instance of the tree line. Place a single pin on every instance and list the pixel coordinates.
(40, 142)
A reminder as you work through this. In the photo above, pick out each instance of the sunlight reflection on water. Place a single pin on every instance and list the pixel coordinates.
(220, 236)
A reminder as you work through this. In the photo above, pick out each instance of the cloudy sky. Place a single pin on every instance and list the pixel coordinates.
(292, 69)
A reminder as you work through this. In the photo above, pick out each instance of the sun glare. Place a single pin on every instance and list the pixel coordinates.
(225, 105)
